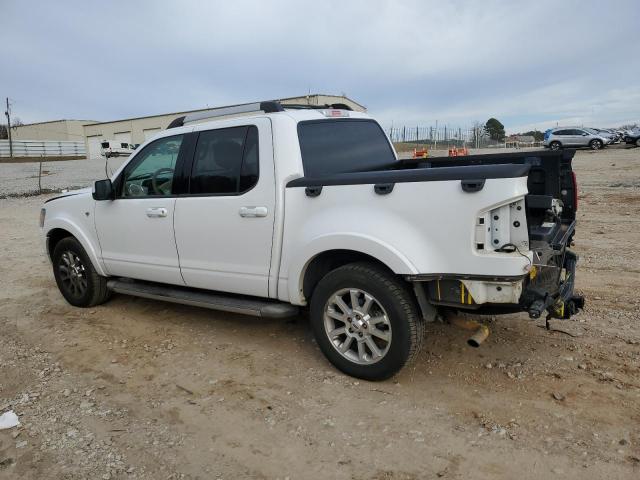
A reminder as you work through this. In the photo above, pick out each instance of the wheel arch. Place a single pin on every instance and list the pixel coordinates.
(329, 260)
(305, 274)
(53, 238)
(62, 229)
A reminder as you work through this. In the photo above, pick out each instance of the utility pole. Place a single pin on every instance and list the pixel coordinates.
(8, 114)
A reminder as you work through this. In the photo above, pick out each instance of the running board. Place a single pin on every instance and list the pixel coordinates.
(202, 298)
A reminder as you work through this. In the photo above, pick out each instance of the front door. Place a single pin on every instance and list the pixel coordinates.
(136, 229)
(224, 225)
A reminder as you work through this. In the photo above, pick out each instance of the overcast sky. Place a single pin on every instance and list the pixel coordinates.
(530, 64)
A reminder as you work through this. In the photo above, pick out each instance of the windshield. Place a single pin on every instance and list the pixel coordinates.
(343, 145)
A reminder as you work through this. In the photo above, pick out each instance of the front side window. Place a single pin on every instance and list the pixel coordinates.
(151, 172)
(225, 161)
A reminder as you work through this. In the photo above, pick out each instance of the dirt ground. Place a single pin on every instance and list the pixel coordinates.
(139, 389)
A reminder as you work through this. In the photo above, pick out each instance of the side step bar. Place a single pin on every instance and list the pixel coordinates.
(202, 298)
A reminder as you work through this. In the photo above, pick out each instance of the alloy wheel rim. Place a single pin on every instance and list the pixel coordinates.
(357, 326)
(73, 274)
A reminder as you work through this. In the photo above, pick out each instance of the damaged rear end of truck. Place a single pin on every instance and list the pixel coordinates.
(549, 213)
(489, 234)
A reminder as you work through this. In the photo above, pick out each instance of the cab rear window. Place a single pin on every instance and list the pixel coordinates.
(343, 145)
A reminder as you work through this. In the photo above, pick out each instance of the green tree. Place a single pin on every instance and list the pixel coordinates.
(494, 129)
(536, 134)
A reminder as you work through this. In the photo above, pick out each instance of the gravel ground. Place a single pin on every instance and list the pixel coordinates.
(19, 179)
(139, 389)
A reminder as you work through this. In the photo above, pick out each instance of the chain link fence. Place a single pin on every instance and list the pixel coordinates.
(442, 135)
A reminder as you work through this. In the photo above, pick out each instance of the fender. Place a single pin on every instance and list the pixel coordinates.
(70, 226)
(357, 242)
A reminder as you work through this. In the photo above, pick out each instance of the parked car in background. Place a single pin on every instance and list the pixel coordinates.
(633, 138)
(574, 137)
(605, 133)
(111, 148)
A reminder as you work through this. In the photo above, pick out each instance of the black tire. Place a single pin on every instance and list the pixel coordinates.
(595, 144)
(86, 288)
(637, 142)
(405, 323)
(555, 145)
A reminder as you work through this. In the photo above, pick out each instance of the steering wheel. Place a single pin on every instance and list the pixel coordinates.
(154, 181)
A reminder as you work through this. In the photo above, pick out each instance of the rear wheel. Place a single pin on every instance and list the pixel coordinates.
(595, 144)
(366, 321)
(555, 146)
(77, 280)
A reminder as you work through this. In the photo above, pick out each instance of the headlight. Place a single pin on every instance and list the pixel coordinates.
(43, 213)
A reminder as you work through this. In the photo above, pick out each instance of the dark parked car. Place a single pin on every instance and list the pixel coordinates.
(633, 138)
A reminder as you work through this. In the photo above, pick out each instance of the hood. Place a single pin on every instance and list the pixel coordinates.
(71, 193)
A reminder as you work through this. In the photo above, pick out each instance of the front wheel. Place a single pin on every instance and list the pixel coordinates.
(595, 144)
(77, 280)
(366, 321)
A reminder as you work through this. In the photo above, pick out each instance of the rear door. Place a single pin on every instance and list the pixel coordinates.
(565, 137)
(224, 225)
(135, 229)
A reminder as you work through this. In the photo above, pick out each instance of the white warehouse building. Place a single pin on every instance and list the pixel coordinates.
(138, 130)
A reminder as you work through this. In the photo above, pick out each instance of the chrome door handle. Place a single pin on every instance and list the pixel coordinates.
(253, 211)
(156, 212)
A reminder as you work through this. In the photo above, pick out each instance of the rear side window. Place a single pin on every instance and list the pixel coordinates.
(339, 146)
(562, 132)
(225, 161)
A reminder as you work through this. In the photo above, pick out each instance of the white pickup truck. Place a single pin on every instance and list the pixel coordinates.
(263, 209)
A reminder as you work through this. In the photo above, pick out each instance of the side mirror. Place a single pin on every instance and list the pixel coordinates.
(103, 190)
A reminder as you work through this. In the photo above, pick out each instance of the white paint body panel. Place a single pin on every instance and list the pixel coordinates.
(419, 228)
(137, 246)
(219, 249)
(75, 214)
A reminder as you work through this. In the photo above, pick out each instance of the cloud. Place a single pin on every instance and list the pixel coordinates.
(413, 62)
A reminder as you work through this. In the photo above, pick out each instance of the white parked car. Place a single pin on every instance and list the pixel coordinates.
(111, 148)
(285, 207)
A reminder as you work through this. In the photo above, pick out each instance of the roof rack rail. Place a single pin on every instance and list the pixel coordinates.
(302, 106)
(266, 107)
(271, 106)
